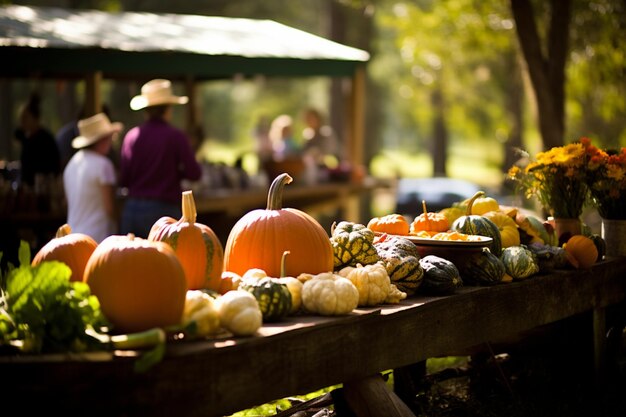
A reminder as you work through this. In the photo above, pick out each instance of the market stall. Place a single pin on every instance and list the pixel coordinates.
(304, 353)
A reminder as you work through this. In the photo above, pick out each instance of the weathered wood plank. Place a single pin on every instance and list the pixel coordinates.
(217, 377)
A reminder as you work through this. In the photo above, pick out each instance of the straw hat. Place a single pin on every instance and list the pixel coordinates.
(93, 129)
(156, 92)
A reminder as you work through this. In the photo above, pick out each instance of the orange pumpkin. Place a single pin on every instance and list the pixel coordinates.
(140, 284)
(429, 222)
(73, 249)
(260, 234)
(394, 224)
(583, 250)
(507, 226)
(198, 248)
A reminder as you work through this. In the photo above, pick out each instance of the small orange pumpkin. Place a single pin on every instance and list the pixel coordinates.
(140, 284)
(260, 234)
(198, 248)
(73, 249)
(394, 224)
(583, 250)
(429, 222)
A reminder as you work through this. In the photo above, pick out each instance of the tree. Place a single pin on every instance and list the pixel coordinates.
(546, 70)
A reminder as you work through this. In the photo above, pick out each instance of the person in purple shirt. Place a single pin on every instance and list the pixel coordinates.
(155, 157)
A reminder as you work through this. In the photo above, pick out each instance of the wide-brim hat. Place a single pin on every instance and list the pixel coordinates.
(94, 128)
(154, 93)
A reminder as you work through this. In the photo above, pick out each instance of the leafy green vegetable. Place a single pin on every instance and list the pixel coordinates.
(43, 309)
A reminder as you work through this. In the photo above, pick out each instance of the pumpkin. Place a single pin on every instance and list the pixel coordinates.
(400, 258)
(583, 249)
(429, 222)
(73, 249)
(140, 283)
(507, 226)
(473, 224)
(482, 268)
(440, 275)
(352, 244)
(519, 262)
(229, 282)
(260, 234)
(198, 248)
(273, 297)
(394, 224)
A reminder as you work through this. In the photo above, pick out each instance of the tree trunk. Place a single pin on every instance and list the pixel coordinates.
(440, 134)
(547, 72)
(515, 111)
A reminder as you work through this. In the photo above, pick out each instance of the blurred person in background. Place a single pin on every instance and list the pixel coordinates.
(320, 141)
(155, 158)
(281, 133)
(39, 154)
(89, 179)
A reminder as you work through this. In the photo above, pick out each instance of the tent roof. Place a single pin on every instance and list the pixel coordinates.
(45, 41)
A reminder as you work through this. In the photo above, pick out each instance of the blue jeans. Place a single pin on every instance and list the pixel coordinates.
(139, 215)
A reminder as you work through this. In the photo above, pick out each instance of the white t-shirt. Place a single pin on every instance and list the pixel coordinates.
(83, 177)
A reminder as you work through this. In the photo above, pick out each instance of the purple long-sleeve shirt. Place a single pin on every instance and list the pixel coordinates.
(155, 158)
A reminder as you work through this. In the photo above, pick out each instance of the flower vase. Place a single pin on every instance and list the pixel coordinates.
(614, 234)
(566, 228)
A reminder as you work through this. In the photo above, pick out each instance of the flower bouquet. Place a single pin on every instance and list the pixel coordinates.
(557, 178)
(606, 180)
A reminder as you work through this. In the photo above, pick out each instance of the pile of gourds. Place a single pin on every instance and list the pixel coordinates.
(279, 262)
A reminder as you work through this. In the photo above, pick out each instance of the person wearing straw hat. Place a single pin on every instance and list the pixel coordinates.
(89, 179)
(155, 158)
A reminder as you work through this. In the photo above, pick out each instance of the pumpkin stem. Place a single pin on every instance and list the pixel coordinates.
(189, 208)
(63, 230)
(275, 195)
(471, 202)
(282, 263)
(426, 220)
(131, 236)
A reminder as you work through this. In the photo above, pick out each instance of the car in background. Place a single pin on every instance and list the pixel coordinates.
(438, 192)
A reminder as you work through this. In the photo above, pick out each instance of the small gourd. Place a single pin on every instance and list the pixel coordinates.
(482, 268)
(329, 294)
(352, 244)
(400, 258)
(583, 250)
(440, 275)
(239, 313)
(429, 222)
(507, 226)
(394, 224)
(473, 224)
(273, 297)
(519, 262)
(484, 204)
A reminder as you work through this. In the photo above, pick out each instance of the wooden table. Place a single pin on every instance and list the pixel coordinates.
(305, 353)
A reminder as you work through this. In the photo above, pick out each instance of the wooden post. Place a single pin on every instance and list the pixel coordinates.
(599, 344)
(93, 93)
(356, 141)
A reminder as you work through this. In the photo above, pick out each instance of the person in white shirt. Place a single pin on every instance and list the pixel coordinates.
(89, 179)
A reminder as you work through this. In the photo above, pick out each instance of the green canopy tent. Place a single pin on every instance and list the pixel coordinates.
(62, 43)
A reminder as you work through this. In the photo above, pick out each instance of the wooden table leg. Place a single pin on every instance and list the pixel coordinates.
(599, 344)
(371, 397)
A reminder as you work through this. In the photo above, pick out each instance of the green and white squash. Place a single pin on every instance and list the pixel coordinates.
(400, 258)
(482, 268)
(353, 244)
(473, 224)
(519, 262)
(274, 298)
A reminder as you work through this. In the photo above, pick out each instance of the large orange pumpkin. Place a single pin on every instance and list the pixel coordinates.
(73, 249)
(260, 234)
(198, 248)
(140, 284)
